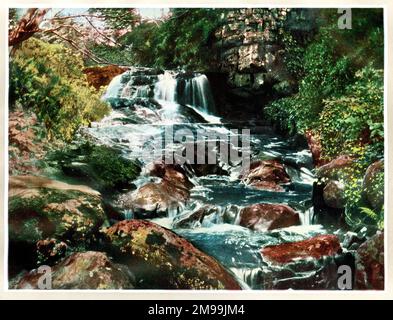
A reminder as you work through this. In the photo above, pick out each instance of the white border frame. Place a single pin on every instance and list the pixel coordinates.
(203, 294)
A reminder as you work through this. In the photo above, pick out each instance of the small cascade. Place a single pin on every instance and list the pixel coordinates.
(165, 88)
(168, 88)
(194, 91)
(114, 89)
(197, 93)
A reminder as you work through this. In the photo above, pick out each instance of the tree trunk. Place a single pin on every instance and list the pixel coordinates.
(27, 26)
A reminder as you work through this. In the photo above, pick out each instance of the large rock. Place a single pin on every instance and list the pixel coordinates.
(102, 76)
(48, 219)
(267, 216)
(27, 186)
(316, 247)
(370, 263)
(333, 169)
(333, 194)
(41, 208)
(158, 198)
(171, 173)
(373, 184)
(194, 218)
(160, 259)
(249, 49)
(266, 175)
(87, 270)
(154, 199)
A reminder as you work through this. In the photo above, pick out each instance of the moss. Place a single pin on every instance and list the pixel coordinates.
(102, 167)
(67, 215)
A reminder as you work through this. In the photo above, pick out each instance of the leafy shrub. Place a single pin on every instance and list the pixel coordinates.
(340, 98)
(357, 210)
(356, 118)
(142, 41)
(48, 79)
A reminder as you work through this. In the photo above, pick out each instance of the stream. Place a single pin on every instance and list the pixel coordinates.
(147, 104)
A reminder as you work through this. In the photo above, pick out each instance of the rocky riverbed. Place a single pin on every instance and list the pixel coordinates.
(191, 223)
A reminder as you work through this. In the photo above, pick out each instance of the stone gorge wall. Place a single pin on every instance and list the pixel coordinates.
(250, 55)
(248, 47)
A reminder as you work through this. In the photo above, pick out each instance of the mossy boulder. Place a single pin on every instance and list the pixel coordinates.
(40, 208)
(161, 259)
(82, 270)
(373, 185)
(102, 167)
(48, 219)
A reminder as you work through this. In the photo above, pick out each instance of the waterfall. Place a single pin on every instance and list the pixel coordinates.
(114, 89)
(165, 87)
(193, 91)
(197, 93)
(169, 89)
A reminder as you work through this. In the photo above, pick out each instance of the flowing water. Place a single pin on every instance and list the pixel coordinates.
(146, 105)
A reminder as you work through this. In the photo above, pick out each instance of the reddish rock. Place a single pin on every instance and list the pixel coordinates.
(316, 247)
(373, 185)
(160, 197)
(332, 169)
(155, 198)
(102, 76)
(370, 263)
(170, 173)
(315, 147)
(87, 270)
(195, 218)
(267, 175)
(266, 216)
(161, 259)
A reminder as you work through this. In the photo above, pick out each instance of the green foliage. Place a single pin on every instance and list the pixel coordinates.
(142, 41)
(356, 118)
(340, 99)
(120, 55)
(378, 217)
(48, 79)
(357, 209)
(101, 166)
(328, 66)
(183, 40)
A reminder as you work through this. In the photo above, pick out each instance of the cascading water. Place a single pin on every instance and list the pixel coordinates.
(165, 87)
(148, 98)
(197, 93)
(194, 91)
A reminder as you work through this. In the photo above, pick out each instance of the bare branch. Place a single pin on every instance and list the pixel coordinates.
(84, 51)
(100, 33)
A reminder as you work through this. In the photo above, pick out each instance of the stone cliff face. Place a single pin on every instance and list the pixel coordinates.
(250, 53)
(249, 49)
